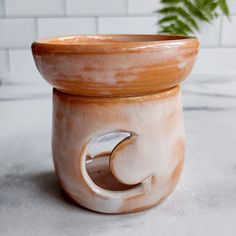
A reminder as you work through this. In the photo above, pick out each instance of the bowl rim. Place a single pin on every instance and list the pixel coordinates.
(166, 37)
(46, 44)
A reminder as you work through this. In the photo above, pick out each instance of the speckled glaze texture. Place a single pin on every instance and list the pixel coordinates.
(117, 83)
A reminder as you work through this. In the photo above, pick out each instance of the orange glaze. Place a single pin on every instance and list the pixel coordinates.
(115, 65)
(111, 83)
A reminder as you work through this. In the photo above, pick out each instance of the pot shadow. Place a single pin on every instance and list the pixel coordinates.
(47, 184)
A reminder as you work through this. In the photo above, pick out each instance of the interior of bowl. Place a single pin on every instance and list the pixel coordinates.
(110, 39)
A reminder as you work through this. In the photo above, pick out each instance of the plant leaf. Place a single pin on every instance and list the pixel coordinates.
(224, 7)
(171, 1)
(173, 29)
(195, 11)
(184, 16)
(181, 12)
(183, 26)
(167, 19)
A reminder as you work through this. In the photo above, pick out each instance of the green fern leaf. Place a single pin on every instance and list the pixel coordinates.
(172, 29)
(165, 31)
(171, 1)
(177, 23)
(167, 19)
(179, 12)
(212, 6)
(182, 25)
(224, 7)
(179, 31)
(195, 11)
(184, 16)
(208, 8)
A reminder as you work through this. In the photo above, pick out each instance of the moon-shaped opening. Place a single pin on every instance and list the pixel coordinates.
(97, 161)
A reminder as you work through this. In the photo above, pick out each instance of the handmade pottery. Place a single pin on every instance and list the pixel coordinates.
(117, 83)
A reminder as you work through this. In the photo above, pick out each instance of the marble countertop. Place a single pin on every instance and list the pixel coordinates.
(204, 202)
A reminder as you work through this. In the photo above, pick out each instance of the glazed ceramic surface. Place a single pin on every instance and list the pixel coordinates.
(115, 65)
(117, 83)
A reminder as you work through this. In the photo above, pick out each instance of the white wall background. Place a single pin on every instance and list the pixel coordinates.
(23, 21)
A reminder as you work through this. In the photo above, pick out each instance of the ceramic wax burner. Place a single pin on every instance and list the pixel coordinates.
(117, 83)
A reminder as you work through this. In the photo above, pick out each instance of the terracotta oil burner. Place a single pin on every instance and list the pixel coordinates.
(117, 83)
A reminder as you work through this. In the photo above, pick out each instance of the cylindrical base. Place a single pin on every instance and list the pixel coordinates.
(140, 171)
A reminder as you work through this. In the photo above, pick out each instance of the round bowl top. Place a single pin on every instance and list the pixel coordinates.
(115, 65)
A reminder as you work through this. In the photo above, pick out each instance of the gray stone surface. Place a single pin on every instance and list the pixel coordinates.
(204, 202)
